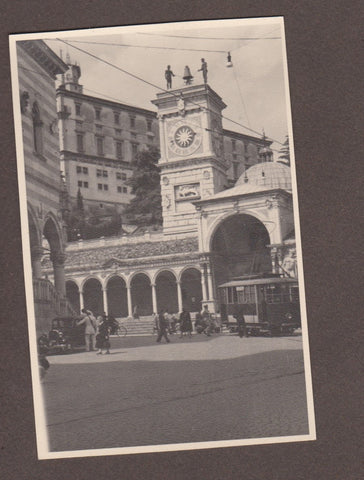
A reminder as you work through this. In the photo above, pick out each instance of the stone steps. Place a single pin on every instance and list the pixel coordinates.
(143, 326)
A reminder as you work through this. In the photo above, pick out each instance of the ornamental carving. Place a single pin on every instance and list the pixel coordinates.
(187, 192)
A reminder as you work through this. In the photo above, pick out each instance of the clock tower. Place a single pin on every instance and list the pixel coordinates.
(192, 153)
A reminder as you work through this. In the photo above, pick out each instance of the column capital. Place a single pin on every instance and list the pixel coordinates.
(58, 259)
(37, 251)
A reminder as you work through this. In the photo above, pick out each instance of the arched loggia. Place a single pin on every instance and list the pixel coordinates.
(92, 296)
(141, 294)
(239, 247)
(191, 289)
(73, 295)
(166, 290)
(117, 297)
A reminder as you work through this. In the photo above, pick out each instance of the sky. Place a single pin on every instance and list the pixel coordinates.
(253, 89)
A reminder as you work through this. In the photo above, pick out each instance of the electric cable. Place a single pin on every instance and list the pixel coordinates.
(156, 86)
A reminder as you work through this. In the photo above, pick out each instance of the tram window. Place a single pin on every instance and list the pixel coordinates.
(294, 295)
(246, 294)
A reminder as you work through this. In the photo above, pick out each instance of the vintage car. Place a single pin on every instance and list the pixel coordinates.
(65, 335)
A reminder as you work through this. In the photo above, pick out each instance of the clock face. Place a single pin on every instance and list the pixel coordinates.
(184, 138)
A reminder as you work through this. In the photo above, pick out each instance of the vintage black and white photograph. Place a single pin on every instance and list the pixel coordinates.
(161, 238)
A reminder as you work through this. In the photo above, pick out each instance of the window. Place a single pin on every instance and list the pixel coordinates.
(118, 175)
(85, 170)
(118, 132)
(79, 125)
(134, 149)
(85, 184)
(100, 145)
(99, 173)
(80, 142)
(233, 145)
(37, 129)
(117, 118)
(123, 176)
(79, 183)
(235, 156)
(98, 113)
(99, 186)
(149, 125)
(119, 189)
(104, 173)
(78, 108)
(246, 148)
(106, 187)
(78, 169)
(132, 122)
(125, 190)
(236, 169)
(119, 149)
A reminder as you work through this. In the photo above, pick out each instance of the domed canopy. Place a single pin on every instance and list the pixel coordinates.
(268, 174)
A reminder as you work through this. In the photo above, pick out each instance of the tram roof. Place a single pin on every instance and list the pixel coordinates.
(258, 281)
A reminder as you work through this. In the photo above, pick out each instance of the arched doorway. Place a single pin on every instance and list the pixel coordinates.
(73, 295)
(92, 296)
(166, 290)
(191, 289)
(141, 294)
(239, 248)
(117, 300)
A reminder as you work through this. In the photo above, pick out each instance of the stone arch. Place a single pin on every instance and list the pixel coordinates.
(117, 299)
(166, 290)
(73, 295)
(239, 247)
(92, 295)
(191, 288)
(53, 233)
(141, 293)
(221, 218)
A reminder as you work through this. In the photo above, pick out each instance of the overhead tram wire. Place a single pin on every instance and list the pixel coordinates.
(209, 38)
(147, 46)
(155, 86)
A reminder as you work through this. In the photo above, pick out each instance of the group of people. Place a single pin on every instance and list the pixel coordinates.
(165, 323)
(97, 331)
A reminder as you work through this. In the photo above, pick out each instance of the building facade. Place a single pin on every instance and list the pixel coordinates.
(211, 233)
(38, 67)
(98, 140)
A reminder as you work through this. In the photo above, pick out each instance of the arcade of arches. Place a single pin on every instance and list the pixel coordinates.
(239, 246)
(119, 297)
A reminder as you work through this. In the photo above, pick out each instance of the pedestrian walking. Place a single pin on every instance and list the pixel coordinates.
(240, 319)
(90, 328)
(185, 323)
(163, 326)
(102, 337)
(136, 313)
(206, 320)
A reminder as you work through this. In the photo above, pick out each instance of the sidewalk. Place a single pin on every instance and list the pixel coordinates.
(221, 347)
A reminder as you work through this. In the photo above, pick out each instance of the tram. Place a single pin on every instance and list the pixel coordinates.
(270, 304)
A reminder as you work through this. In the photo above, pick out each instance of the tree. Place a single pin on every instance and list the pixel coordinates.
(284, 153)
(146, 207)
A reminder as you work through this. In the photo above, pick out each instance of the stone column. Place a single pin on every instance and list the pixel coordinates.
(37, 253)
(82, 301)
(179, 296)
(104, 297)
(130, 306)
(273, 256)
(58, 260)
(154, 298)
(209, 283)
(203, 284)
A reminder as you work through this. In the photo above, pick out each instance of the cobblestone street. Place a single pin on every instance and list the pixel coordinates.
(191, 390)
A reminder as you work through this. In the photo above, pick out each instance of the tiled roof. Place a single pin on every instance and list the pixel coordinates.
(97, 257)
